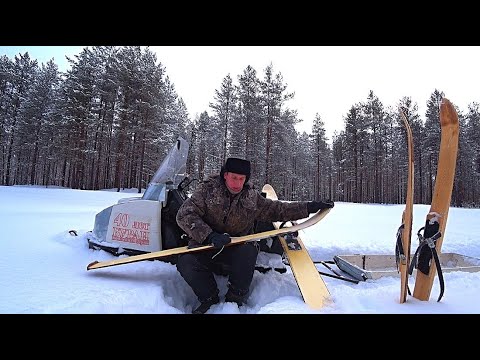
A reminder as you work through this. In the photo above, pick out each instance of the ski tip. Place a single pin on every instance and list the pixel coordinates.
(448, 114)
(89, 266)
(445, 101)
(267, 187)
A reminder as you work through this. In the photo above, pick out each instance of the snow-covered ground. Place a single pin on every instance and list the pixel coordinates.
(43, 267)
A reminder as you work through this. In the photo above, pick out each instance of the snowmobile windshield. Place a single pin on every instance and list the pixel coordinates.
(171, 171)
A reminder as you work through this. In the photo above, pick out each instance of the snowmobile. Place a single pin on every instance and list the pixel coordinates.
(145, 224)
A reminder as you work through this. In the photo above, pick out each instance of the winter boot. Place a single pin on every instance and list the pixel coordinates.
(206, 304)
(237, 296)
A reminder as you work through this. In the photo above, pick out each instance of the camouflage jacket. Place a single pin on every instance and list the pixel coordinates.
(213, 208)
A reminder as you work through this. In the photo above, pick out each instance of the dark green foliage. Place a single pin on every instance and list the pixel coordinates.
(110, 119)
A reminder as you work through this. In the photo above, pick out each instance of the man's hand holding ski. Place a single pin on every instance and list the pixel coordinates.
(218, 240)
(314, 206)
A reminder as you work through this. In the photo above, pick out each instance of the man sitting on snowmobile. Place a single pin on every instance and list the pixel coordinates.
(222, 206)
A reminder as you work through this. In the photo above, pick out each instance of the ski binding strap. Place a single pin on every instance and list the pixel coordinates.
(421, 259)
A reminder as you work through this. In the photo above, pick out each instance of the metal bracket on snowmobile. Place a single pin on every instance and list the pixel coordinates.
(336, 274)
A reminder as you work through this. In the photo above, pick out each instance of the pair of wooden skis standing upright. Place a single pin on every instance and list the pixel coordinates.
(426, 259)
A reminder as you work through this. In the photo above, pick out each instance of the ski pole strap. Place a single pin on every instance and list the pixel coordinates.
(422, 257)
(439, 272)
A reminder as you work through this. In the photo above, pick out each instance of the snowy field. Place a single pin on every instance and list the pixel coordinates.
(43, 267)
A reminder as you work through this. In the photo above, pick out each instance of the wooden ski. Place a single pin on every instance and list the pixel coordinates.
(404, 234)
(312, 287)
(235, 240)
(436, 220)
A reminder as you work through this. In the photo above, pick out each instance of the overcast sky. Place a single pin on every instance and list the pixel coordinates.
(327, 80)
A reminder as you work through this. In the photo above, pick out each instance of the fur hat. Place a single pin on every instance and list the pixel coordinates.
(237, 166)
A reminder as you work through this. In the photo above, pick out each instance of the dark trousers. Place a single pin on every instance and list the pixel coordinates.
(198, 268)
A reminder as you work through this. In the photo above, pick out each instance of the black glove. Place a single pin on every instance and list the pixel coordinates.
(218, 240)
(314, 206)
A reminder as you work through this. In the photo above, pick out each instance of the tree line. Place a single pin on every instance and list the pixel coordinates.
(109, 120)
